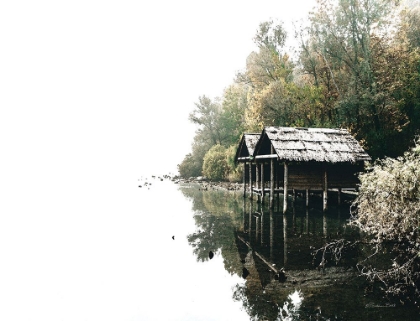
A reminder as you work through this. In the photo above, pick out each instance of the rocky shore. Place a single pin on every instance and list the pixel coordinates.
(207, 185)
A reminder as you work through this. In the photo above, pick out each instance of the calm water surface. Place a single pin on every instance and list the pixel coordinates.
(124, 252)
(273, 255)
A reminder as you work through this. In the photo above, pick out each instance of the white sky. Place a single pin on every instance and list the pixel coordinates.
(115, 80)
(97, 93)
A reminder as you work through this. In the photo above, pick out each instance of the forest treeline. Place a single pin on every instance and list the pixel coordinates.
(356, 66)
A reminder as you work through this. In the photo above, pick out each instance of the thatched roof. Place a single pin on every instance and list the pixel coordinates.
(311, 144)
(247, 146)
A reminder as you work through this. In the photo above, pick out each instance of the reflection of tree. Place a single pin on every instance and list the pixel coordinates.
(258, 307)
(264, 308)
(217, 216)
(256, 295)
(212, 234)
(223, 227)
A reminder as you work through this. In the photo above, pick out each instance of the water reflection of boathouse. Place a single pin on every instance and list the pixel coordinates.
(283, 159)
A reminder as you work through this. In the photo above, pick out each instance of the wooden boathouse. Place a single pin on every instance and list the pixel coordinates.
(245, 155)
(283, 159)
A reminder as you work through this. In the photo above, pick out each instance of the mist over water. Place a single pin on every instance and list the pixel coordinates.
(95, 246)
(100, 247)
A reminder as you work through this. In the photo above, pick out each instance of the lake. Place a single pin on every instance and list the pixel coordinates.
(167, 251)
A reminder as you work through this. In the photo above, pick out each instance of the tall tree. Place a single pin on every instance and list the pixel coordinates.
(206, 115)
(232, 119)
(267, 72)
(346, 39)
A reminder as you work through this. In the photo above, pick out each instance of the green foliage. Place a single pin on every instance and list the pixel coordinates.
(358, 68)
(219, 124)
(219, 164)
(206, 115)
(232, 116)
(215, 164)
(270, 36)
(234, 173)
(218, 214)
(189, 167)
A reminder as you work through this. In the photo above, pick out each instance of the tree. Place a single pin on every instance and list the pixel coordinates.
(206, 115)
(267, 73)
(232, 118)
(411, 19)
(189, 167)
(346, 54)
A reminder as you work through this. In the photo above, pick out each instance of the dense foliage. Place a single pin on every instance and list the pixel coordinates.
(215, 163)
(388, 210)
(357, 67)
(219, 164)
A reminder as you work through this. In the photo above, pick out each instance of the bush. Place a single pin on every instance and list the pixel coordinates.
(388, 204)
(234, 171)
(388, 209)
(215, 165)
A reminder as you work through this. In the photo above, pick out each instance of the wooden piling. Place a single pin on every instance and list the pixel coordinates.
(325, 191)
(262, 183)
(257, 176)
(286, 183)
(244, 179)
(257, 180)
(272, 180)
(285, 238)
(250, 179)
(271, 234)
(339, 197)
(324, 225)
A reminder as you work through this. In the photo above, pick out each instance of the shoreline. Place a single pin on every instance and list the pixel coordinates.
(211, 185)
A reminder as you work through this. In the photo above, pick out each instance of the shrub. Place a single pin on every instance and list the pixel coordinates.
(388, 204)
(388, 209)
(234, 172)
(215, 165)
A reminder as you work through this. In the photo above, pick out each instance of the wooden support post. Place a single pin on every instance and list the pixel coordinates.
(286, 184)
(339, 197)
(325, 225)
(272, 181)
(271, 235)
(244, 179)
(307, 197)
(250, 218)
(257, 176)
(285, 239)
(257, 180)
(262, 227)
(262, 183)
(325, 191)
(277, 182)
(257, 227)
(245, 227)
(250, 179)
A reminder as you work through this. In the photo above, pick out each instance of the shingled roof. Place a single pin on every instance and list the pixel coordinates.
(247, 146)
(311, 144)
